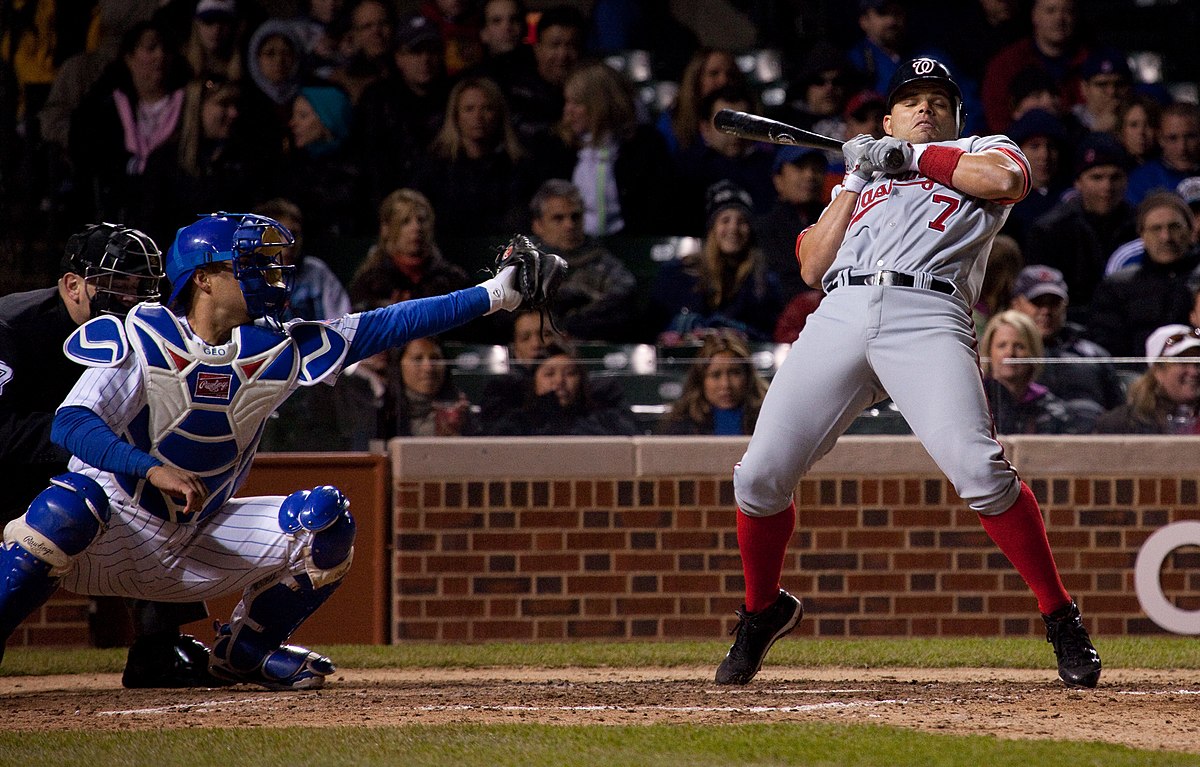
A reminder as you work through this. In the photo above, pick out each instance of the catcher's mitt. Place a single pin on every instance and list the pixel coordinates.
(538, 274)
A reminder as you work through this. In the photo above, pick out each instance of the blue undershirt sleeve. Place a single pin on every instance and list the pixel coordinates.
(90, 439)
(400, 323)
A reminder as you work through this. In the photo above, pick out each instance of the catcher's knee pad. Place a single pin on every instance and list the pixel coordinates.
(321, 519)
(62, 521)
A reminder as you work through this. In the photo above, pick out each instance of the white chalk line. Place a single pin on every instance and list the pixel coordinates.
(1159, 692)
(669, 709)
(167, 709)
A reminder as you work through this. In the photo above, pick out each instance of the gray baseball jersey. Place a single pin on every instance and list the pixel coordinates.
(868, 342)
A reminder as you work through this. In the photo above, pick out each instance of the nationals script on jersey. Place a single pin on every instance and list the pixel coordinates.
(909, 223)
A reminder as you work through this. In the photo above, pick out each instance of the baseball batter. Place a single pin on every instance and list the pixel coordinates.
(901, 256)
(164, 426)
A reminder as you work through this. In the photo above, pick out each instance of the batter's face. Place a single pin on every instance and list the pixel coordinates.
(558, 375)
(731, 229)
(922, 113)
(725, 381)
(1048, 312)
(1179, 382)
(1008, 343)
(422, 367)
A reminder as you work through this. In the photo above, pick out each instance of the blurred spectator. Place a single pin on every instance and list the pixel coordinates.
(427, 403)
(995, 295)
(621, 167)
(319, 171)
(133, 109)
(722, 392)
(596, 300)
(795, 314)
(726, 285)
(534, 88)
(818, 95)
(709, 69)
(864, 115)
(212, 47)
(405, 263)
(719, 156)
(504, 27)
(558, 399)
(1137, 127)
(397, 117)
(1018, 404)
(643, 25)
(317, 293)
(317, 28)
(1189, 191)
(980, 28)
(1044, 142)
(274, 62)
(1133, 252)
(210, 165)
(366, 47)
(1164, 399)
(1179, 140)
(1104, 83)
(1032, 89)
(1131, 303)
(1053, 46)
(1041, 294)
(476, 174)
(531, 334)
(458, 23)
(878, 54)
(799, 178)
(1077, 235)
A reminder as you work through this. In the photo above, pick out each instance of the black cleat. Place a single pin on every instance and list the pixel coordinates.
(1078, 661)
(168, 660)
(756, 632)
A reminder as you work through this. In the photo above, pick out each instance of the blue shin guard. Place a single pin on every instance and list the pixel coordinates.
(40, 545)
(251, 647)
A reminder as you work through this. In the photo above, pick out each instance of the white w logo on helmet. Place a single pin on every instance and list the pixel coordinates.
(923, 66)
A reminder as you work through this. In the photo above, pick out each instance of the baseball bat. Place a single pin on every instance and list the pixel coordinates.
(758, 128)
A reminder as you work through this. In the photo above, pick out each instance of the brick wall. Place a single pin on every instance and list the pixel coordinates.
(658, 559)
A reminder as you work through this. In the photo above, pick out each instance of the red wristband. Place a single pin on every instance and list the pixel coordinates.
(938, 163)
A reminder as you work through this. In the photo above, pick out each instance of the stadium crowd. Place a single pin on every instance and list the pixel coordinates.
(417, 130)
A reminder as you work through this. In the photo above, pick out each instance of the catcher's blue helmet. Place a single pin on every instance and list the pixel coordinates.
(251, 242)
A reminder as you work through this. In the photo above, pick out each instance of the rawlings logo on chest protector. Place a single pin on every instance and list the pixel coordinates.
(213, 385)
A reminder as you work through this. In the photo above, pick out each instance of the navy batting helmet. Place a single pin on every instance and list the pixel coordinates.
(927, 70)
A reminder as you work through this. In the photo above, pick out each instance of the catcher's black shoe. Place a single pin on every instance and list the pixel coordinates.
(756, 632)
(168, 660)
(1078, 661)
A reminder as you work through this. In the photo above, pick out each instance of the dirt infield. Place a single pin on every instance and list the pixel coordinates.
(1143, 709)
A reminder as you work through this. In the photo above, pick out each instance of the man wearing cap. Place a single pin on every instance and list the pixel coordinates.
(1133, 252)
(1164, 399)
(799, 177)
(1131, 303)
(1087, 386)
(878, 54)
(1043, 138)
(1077, 235)
(1179, 140)
(1105, 81)
(397, 117)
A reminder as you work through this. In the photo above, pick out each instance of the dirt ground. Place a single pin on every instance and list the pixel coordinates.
(1143, 709)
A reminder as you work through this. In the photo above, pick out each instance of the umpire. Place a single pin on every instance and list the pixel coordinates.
(106, 269)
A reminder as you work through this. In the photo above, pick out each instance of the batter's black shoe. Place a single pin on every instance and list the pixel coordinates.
(1078, 661)
(168, 660)
(756, 632)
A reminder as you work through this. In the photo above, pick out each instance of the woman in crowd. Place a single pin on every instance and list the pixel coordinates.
(212, 48)
(133, 109)
(320, 173)
(275, 62)
(708, 70)
(476, 174)
(1137, 127)
(722, 392)
(726, 284)
(995, 295)
(405, 262)
(558, 399)
(621, 167)
(427, 403)
(1164, 400)
(1019, 405)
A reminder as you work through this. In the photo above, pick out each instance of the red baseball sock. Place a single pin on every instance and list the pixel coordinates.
(763, 542)
(1021, 534)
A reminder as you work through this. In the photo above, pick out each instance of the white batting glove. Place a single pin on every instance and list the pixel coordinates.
(908, 155)
(860, 169)
(502, 290)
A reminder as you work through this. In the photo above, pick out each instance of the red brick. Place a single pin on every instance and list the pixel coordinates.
(585, 629)
(416, 586)
(454, 587)
(921, 517)
(455, 563)
(718, 519)
(502, 585)
(408, 497)
(826, 517)
(891, 582)
(1114, 603)
(642, 519)
(549, 630)
(690, 584)
(432, 494)
(1104, 560)
(925, 560)
(501, 541)
(502, 608)
(602, 607)
(960, 582)
(667, 492)
(602, 541)
(541, 563)
(678, 628)
(1147, 492)
(826, 540)
(409, 565)
(866, 627)
(649, 562)
(1069, 539)
(481, 630)
(422, 631)
(448, 520)
(557, 520)
(454, 608)
(869, 491)
(583, 493)
(923, 605)
(597, 584)
(646, 606)
(875, 539)
(977, 627)
(548, 542)
(605, 494)
(686, 519)
(672, 541)
(455, 631)
(538, 608)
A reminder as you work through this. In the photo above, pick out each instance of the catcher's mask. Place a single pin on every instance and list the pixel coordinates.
(253, 245)
(122, 265)
(925, 70)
